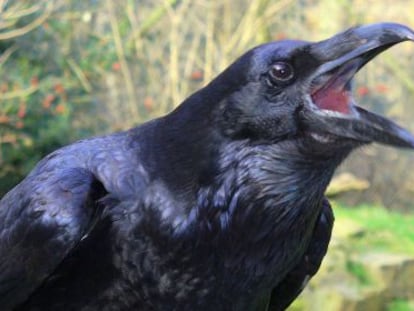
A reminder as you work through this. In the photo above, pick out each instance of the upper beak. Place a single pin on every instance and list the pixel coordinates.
(331, 109)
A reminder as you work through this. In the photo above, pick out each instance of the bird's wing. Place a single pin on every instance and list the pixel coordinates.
(41, 221)
(293, 284)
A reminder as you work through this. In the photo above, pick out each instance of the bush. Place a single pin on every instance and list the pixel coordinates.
(40, 93)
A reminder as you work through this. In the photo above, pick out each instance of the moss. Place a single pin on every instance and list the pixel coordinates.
(298, 305)
(400, 305)
(386, 230)
(358, 270)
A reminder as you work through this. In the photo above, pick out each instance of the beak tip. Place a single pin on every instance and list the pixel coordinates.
(407, 139)
(404, 32)
(392, 32)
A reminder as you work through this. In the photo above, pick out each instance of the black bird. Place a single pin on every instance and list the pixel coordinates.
(218, 205)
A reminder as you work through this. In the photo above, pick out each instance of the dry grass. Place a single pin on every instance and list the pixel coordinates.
(177, 48)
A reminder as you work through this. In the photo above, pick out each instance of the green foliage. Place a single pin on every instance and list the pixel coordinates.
(400, 305)
(387, 230)
(359, 271)
(38, 91)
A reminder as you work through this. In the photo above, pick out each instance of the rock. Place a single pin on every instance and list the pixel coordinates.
(336, 288)
(355, 279)
(395, 272)
(346, 182)
(343, 297)
(346, 228)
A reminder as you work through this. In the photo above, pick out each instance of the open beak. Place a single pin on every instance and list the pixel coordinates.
(330, 109)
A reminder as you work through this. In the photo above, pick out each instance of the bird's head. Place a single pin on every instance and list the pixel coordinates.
(286, 89)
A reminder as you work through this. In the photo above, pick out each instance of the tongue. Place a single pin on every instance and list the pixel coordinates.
(334, 99)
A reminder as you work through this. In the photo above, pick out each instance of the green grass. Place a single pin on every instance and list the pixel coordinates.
(400, 305)
(383, 230)
(359, 271)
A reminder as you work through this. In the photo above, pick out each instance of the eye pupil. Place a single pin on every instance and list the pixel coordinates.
(281, 71)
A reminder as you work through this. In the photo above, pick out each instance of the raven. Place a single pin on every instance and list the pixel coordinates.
(218, 205)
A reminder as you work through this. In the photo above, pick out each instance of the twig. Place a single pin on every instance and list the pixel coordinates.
(25, 29)
(80, 75)
(154, 17)
(133, 105)
(6, 54)
(401, 73)
(18, 94)
(16, 12)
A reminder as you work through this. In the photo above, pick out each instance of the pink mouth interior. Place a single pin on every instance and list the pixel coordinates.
(335, 94)
(332, 98)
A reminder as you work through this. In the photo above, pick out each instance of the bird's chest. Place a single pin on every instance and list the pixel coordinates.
(259, 231)
(235, 245)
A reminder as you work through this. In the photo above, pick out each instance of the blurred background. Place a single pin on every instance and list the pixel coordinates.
(71, 69)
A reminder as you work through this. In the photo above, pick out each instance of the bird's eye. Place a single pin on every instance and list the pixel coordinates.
(281, 72)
